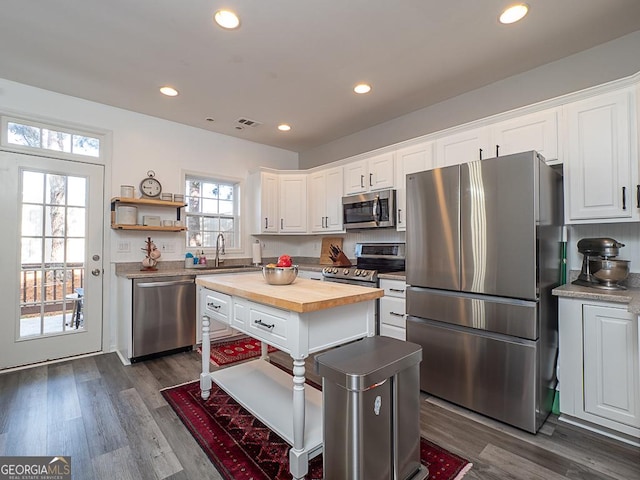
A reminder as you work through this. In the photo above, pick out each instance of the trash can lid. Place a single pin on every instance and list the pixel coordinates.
(361, 364)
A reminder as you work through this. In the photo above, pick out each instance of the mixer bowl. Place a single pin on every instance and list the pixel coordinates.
(609, 272)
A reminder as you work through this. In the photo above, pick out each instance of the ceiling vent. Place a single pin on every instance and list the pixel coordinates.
(246, 122)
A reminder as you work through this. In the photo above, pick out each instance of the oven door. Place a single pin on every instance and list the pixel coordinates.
(369, 210)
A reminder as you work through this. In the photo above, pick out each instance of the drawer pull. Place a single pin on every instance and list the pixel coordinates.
(214, 306)
(260, 323)
(396, 290)
(396, 314)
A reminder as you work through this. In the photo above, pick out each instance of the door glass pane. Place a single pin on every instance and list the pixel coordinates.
(52, 254)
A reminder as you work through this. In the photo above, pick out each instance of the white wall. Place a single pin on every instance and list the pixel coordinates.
(141, 143)
(604, 63)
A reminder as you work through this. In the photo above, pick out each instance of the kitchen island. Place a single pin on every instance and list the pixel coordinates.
(299, 319)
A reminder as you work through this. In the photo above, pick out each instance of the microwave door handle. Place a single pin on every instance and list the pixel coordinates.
(376, 213)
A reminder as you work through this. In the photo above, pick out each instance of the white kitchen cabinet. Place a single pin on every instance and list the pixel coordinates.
(536, 131)
(325, 200)
(374, 173)
(264, 186)
(463, 147)
(310, 274)
(601, 168)
(599, 365)
(280, 202)
(416, 158)
(292, 204)
(393, 317)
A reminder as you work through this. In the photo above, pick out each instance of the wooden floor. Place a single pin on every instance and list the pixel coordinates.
(113, 422)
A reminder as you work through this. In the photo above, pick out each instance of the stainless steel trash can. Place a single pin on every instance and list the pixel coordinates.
(371, 410)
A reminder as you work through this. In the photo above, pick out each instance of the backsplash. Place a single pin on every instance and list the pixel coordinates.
(627, 233)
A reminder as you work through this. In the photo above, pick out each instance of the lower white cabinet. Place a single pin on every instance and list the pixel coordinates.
(393, 315)
(599, 365)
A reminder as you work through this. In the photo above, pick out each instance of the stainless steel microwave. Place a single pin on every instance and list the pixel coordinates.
(369, 210)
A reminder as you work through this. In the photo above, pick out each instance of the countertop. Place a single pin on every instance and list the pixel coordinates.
(168, 269)
(302, 296)
(631, 296)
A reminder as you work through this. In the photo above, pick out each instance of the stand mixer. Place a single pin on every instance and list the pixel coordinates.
(599, 268)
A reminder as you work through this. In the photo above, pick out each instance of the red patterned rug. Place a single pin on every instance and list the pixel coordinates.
(224, 353)
(243, 448)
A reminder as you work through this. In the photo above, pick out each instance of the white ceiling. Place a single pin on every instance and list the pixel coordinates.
(292, 61)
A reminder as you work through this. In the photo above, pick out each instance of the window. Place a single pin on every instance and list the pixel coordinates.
(33, 135)
(212, 208)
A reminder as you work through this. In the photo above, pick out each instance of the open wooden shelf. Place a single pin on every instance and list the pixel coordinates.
(149, 228)
(151, 202)
(146, 202)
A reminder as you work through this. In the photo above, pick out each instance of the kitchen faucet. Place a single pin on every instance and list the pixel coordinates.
(218, 249)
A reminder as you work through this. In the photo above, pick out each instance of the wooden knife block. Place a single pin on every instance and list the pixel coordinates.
(342, 261)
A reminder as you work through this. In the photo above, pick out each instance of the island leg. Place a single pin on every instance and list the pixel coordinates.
(264, 351)
(205, 379)
(298, 456)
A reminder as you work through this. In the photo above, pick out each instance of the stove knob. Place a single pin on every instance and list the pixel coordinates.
(345, 271)
(335, 270)
(325, 270)
(357, 272)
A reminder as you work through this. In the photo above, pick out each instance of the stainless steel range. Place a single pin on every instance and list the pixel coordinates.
(371, 259)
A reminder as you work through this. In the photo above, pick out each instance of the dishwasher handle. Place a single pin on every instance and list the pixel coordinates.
(165, 284)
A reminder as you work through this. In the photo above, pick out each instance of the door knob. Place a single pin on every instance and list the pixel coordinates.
(95, 272)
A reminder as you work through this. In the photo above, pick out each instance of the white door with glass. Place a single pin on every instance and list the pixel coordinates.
(51, 263)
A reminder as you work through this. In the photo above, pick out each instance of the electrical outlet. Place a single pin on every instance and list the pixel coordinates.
(124, 246)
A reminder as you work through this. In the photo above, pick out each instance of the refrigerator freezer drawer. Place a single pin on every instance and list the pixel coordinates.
(486, 373)
(517, 318)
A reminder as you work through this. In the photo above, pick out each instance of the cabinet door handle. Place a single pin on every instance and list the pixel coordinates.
(480, 154)
(624, 198)
(326, 222)
(281, 223)
(637, 196)
(260, 323)
(266, 222)
(396, 290)
(371, 179)
(323, 222)
(399, 215)
(396, 314)
(362, 181)
(497, 150)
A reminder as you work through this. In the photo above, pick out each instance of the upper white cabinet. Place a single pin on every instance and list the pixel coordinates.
(599, 169)
(325, 200)
(280, 202)
(264, 186)
(293, 203)
(536, 131)
(374, 173)
(412, 159)
(463, 147)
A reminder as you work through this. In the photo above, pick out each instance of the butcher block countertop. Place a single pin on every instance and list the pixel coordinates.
(302, 296)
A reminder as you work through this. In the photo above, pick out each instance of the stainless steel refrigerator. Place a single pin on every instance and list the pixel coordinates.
(483, 252)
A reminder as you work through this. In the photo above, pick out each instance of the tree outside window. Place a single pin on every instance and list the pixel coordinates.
(212, 208)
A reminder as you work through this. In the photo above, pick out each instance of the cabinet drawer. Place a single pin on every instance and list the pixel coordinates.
(392, 311)
(393, 288)
(269, 325)
(393, 332)
(216, 305)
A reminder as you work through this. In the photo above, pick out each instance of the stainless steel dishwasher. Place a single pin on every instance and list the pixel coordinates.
(164, 315)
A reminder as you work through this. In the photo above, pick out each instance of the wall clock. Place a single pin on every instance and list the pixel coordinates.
(150, 187)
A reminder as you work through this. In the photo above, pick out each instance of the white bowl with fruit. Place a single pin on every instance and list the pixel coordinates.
(282, 273)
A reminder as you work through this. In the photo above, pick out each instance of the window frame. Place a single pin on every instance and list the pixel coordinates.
(237, 185)
(56, 127)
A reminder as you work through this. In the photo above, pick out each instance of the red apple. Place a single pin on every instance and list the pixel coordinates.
(284, 261)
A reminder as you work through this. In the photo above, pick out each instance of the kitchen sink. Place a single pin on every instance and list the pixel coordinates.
(222, 267)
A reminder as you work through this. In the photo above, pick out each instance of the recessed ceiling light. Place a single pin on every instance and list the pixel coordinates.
(362, 88)
(227, 19)
(169, 91)
(284, 127)
(514, 13)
